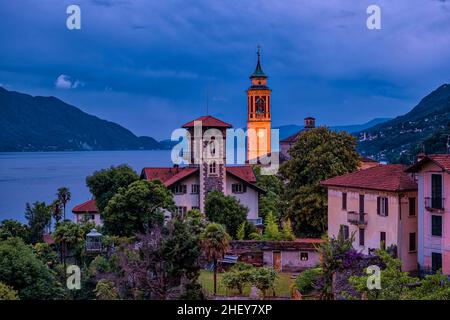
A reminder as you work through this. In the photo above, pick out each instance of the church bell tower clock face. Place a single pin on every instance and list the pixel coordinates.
(258, 111)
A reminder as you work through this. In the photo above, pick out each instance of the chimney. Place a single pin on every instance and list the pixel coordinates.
(310, 123)
(420, 156)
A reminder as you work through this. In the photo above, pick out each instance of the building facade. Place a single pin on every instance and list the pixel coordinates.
(258, 115)
(433, 177)
(377, 205)
(87, 212)
(287, 143)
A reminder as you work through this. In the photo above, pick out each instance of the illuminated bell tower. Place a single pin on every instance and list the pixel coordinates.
(258, 114)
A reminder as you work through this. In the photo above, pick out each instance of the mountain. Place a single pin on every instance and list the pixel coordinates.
(30, 123)
(288, 130)
(425, 128)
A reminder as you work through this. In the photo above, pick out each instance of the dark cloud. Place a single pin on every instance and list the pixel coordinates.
(147, 64)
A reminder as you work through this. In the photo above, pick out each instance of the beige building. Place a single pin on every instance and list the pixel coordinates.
(376, 205)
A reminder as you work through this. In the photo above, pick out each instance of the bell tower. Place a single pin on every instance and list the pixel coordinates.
(258, 114)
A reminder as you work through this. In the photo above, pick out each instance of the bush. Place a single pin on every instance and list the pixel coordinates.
(306, 280)
(240, 275)
(264, 279)
(8, 293)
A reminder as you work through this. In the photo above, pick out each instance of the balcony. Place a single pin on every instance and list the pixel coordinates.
(434, 204)
(256, 222)
(357, 218)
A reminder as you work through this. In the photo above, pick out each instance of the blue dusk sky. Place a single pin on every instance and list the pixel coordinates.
(147, 64)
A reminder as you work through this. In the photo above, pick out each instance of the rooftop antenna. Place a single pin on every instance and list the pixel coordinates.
(448, 144)
(207, 100)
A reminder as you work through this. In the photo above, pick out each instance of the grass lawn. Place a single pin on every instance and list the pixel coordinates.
(282, 285)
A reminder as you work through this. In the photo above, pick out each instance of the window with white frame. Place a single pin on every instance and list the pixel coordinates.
(179, 189)
(195, 189)
(237, 188)
(383, 206)
(181, 210)
(212, 168)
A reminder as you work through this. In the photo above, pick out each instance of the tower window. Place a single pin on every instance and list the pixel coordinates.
(212, 168)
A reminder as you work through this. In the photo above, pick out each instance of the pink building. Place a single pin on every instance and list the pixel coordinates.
(87, 212)
(433, 176)
(376, 205)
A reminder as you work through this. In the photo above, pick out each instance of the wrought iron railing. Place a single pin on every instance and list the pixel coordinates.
(358, 218)
(434, 203)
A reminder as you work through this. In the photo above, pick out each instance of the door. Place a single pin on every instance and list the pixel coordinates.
(276, 260)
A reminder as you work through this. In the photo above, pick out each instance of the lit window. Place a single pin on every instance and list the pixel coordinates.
(304, 256)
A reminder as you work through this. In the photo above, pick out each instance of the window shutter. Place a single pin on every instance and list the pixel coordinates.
(244, 188)
(184, 188)
(378, 205)
(386, 206)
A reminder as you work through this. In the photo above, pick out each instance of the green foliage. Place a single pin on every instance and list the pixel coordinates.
(64, 197)
(39, 219)
(14, 229)
(306, 280)
(240, 233)
(23, 271)
(56, 210)
(286, 231)
(272, 200)
(8, 293)
(225, 210)
(317, 155)
(105, 183)
(215, 241)
(264, 279)
(272, 231)
(433, 287)
(239, 276)
(331, 252)
(136, 208)
(71, 235)
(395, 284)
(46, 254)
(105, 290)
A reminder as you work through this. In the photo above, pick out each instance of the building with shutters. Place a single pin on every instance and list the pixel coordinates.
(376, 205)
(433, 178)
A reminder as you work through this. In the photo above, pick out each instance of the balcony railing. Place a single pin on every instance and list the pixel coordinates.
(357, 218)
(256, 222)
(434, 204)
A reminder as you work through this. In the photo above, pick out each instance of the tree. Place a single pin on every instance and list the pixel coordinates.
(317, 155)
(264, 279)
(432, 287)
(23, 271)
(56, 210)
(306, 280)
(271, 230)
(8, 293)
(286, 232)
(105, 290)
(396, 284)
(104, 184)
(39, 220)
(331, 252)
(46, 254)
(64, 197)
(240, 275)
(225, 210)
(71, 237)
(272, 200)
(215, 243)
(12, 229)
(164, 265)
(137, 208)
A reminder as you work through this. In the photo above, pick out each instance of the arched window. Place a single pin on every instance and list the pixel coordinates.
(260, 105)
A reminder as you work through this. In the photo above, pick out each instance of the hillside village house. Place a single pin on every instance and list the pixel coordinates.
(433, 176)
(87, 212)
(377, 205)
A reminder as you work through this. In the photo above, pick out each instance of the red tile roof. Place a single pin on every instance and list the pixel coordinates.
(168, 176)
(208, 121)
(390, 177)
(88, 206)
(441, 160)
(244, 172)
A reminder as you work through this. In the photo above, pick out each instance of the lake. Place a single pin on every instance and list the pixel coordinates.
(36, 176)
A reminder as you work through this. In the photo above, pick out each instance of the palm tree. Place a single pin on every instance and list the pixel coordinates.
(56, 211)
(215, 243)
(63, 197)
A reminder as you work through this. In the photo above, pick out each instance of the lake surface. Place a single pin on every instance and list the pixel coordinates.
(36, 176)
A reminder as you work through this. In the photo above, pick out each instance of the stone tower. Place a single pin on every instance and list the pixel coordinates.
(258, 114)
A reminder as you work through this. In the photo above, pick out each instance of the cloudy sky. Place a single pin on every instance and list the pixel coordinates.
(147, 65)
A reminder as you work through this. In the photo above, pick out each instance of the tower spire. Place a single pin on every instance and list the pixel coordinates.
(258, 71)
